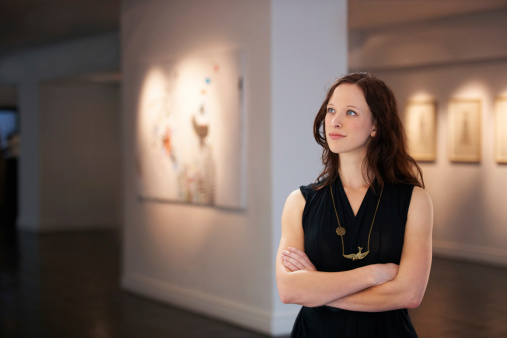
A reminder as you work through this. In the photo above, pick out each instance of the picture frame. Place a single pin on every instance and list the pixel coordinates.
(501, 130)
(464, 123)
(421, 128)
(190, 130)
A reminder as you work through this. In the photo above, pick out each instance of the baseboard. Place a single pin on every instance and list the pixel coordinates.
(470, 252)
(212, 306)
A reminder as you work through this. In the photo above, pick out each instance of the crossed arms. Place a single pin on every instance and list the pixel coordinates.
(372, 288)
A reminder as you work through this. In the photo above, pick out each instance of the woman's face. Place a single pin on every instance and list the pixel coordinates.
(348, 123)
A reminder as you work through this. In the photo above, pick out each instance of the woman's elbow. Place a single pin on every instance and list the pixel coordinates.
(413, 304)
(414, 300)
(285, 298)
(286, 295)
(283, 291)
(293, 297)
(290, 295)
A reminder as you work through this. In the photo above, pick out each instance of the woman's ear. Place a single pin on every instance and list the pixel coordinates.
(373, 132)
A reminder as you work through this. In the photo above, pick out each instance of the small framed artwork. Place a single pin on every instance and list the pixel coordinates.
(464, 120)
(501, 130)
(420, 125)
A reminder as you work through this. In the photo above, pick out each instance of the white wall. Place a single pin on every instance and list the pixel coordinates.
(212, 261)
(469, 199)
(80, 170)
(100, 53)
(26, 71)
(309, 51)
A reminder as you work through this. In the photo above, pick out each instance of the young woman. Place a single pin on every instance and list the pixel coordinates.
(355, 250)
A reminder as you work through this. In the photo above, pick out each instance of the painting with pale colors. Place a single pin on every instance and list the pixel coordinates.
(190, 131)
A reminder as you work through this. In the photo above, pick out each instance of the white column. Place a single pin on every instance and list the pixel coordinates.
(29, 189)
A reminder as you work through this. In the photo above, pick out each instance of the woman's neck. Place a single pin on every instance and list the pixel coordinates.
(352, 172)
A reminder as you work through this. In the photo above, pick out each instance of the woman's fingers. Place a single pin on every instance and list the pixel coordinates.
(287, 257)
(302, 257)
(290, 266)
(298, 259)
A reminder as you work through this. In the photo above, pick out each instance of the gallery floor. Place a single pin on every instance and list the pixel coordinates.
(67, 285)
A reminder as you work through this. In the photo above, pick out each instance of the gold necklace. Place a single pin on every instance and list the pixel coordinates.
(340, 231)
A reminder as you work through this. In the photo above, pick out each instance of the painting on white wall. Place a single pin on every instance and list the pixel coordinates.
(501, 130)
(464, 122)
(190, 135)
(420, 124)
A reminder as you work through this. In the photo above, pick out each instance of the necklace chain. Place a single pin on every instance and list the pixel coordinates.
(340, 231)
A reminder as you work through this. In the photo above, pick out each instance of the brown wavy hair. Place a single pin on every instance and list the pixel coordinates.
(387, 158)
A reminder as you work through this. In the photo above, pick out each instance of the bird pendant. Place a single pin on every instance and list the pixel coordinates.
(356, 256)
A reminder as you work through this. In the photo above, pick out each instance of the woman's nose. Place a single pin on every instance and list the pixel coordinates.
(335, 122)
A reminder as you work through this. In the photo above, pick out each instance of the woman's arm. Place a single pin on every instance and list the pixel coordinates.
(407, 289)
(315, 288)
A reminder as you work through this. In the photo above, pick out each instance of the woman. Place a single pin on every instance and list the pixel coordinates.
(355, 249)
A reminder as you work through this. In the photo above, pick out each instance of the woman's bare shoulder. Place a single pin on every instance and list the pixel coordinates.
(295, 200)
(294, 206)
(421, 207)
(421, 197)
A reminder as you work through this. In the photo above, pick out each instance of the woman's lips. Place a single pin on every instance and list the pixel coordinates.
(336, 136)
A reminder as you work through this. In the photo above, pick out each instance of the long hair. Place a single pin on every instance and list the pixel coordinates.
(387, 158)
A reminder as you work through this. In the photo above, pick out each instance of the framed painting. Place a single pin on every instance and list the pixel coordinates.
(190, 130)
(501, 130)
(420, 125)
(464, 121)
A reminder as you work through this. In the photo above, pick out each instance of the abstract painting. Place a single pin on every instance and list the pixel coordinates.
(190, 133)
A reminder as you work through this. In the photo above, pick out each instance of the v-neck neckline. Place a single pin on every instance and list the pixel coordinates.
(344, 196)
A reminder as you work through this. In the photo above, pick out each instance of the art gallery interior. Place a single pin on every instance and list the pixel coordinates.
(77, 99)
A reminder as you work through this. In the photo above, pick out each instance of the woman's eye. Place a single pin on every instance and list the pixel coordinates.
(351, 112)
(330, 110)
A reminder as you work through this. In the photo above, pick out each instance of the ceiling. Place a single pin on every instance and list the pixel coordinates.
(26, 24)
(372, 14)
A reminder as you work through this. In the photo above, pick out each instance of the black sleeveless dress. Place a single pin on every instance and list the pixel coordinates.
(324, 249)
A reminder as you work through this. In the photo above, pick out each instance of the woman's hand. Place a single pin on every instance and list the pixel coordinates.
(295, 260)
(384, 272)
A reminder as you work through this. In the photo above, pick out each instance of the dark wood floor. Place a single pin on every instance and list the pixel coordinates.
(67, 285)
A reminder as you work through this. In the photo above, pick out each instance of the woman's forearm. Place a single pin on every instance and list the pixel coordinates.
(316, 288)
(389, 296)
